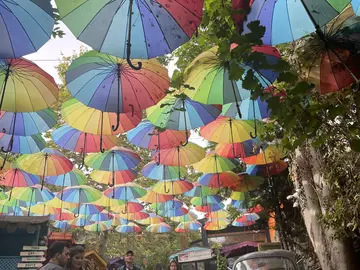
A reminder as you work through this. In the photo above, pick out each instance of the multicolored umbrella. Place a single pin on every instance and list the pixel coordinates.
(153, 197)
(25, 26)
(172, 187)
(107, 202)
(21, 144)
(266, 170)
(148, 136)
(133, 216)
(242, 222)
(63, 215)
(201, 191)
(356, 6)
(271, 154)
(152, 219)
(247, 183)
(25, 86)
(80, 222)
(181, 113)
(157, 28)
(76, 141)
(217, 215)
(101, 217)
(164, 206)
(281, 18)
(128, 228)
(188, 226)
(206, 200)
(109, 84)
(32, 194)
(210, 207)
(49, 162)
(218, 180)
(208, 77)
(87, 209)
(185, 218)
(238, 204)
(159, 228)
(213, 163)
(4, 165)
(119, 177)
(72, 178)
(174, 212)
(27, 123)
(240, 150)
(97, 227)
(216, 224)
(254, 109)
(16, 202)
(128, 206)
(237, 196)
(3, 195)
(10, 210)
(57, 203)
(42, 209)
(156, 171)
(62, 225)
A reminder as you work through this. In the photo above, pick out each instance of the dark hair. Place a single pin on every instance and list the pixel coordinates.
(56, 247)
(130, 252)
(177, 265)
(73, 252)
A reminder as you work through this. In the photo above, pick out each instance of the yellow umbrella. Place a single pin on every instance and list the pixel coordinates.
(44, 209)
(108, 202)
(272, 153)
(213, 163)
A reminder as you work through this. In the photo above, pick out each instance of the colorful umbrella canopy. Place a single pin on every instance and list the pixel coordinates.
(116, 159)
(216, 224)
(152, 219)
(131, 207)
(162, 172)
(148, 136)
(49, 162)
(18, 178)
(185, 218)
(125, 192)
(6, 210)
(249, 217)
(188, 226)
(16, 202)
(63, 215)
(101, 217)
(93, 121)
(213, 163)
(172, 187)
(206, 200)
(210, 207)
(120, 177)
(164, 206)
(133, 216)
(201, 191)
(80, 222)
(25, 86)
(241, 149)
(227, 130)
(97, 227)
(266, 170)
(27, 123)
(217, 215)
(107, 202)
(72, 178)
(159, 228)
(238, 204)
(87, 209)
(208, 77)
(157, 28)
(254, 109)
(128, 228)
(109, 84)
(62, 225)
(174, 212)
(356, 6)
(181, 113)
(218, 180)
(247, 183)
(153, 197)
(57, 203)
(282, 18)
(181, 155)
(25, 26)
(74, 140)
(3, 195)
(21, 144)
(43, 210)
(4, 165)
(241, 222)
(271, 154)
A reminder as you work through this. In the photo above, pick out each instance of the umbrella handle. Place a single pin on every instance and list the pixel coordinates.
(232, 140)
(236, 100)
(173, 203)
(167, 191)
(126, 209)
(219, 181)
(82, 159)
(115, 128)
(3, 164)
(102, 150)
(11, 142)
(255, 127)
(128, 43)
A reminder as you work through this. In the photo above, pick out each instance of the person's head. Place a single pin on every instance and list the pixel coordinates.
(129, 257)
(76, 260)
(173, 265)
(59, 252)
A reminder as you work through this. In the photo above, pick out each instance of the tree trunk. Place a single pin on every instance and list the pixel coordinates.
(102, 244)
(307, 172)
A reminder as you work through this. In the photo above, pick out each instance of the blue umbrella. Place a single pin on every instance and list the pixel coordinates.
(25, 26)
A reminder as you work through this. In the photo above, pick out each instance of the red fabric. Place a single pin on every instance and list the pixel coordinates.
(239, 18)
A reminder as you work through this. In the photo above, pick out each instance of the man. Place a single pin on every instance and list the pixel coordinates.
(58, 254)
(129, 262)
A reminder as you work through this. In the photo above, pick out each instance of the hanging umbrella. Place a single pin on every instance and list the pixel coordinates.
(174, 212)
(26, 26)
(42, 209)
(156, 171)
(104, 216)
(97, 227)
(25, 86)
(133, 216)
(49, 162)
(153, 197)
(109, 84)
(159, 228)
(227, 130)
(200, 191)
(185, 218)
(62, 225)
(188, 226)
(237, 195)
(208, 77)
(80, 222)
(216, 224)
(206, 200)
(237, 204)
(128, 206)
(172, 187)
(210, 207)
(273, 153)
(128, 228)
(18, 178)
(241, 222)
(152, 219)
(266, 170)
(32, 194)
(157, 27)
(21, 144)
(247, 183)
(281, 18)
(214, 163)
(148, 136)
(164, 206)
(27, 123)
(217, 215)
(120, 177)
(118, 221)
(87, 209)
(254, 109)
(76, 141)
(241, 149)
(179, 112)
(16, 203)
(4, 165)
(57, 203)
(10, 210)
(63, 215)
(356, 6)
(72, 178)
(213, 180)
(108, 202)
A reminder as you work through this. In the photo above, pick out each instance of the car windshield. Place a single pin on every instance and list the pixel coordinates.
(272, 263)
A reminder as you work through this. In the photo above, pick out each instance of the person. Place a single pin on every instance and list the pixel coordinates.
(129, 262)
(58, 254)
(77, 260)
(174, 265)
